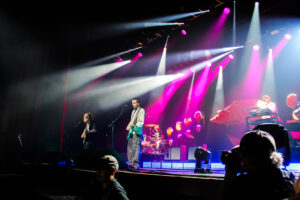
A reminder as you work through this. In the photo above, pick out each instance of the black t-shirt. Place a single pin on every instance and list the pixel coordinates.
(114, 191)
(264, 184)
(90, 126)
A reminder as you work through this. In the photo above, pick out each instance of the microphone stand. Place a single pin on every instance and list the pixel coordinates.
(112, 125)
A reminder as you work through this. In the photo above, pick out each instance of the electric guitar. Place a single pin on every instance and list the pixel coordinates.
(85, 133)
(134, 128)
(83, 136)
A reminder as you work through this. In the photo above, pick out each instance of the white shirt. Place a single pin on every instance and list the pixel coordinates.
(140, 118)
(263, 105)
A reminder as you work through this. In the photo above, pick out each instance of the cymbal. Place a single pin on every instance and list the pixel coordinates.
(151, 125)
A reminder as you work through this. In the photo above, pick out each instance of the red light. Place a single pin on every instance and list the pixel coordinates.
(187, 121)
(198, 116)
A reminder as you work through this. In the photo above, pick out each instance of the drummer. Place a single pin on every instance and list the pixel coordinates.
(157, 136)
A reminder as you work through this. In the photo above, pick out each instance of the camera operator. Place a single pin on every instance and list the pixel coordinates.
(259, 168)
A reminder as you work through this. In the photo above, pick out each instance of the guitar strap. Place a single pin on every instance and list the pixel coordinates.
(136, 116)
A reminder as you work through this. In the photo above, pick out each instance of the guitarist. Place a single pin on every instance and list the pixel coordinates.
(89, 131)
(135, 128)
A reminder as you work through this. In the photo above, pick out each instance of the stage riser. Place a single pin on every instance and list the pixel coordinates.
(150, 186)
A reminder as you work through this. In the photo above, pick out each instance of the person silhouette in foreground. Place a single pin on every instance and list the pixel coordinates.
(107, 167)
(258, 174)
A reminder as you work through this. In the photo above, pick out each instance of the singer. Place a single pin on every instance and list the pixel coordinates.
(135, 128)
(89, 131)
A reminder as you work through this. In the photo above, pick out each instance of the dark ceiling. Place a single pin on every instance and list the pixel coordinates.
(55, 28)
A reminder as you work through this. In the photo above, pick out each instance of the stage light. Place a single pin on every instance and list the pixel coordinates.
(268, 84)
(231, 56)
(202, 155)
(119, 60)
(111, 93)
(288, 36)
(170, 131)
(189, 98)
(177, 16)
(187, 56)
(256, 4)
(198, 128)
(183, 32)
(161, 70)
(101, 60)
(179, 135)
(256, 47)
(139, 54)
(178, 126)
(218, 102)
(226, 10)
(170, 142)
(198, 116)
(187, 121)
(208, 64)
(188, 133)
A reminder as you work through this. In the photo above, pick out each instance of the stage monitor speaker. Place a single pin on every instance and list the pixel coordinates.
(191, 153)
(173, 153)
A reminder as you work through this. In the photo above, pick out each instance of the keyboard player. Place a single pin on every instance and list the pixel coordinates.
(265, 112)
(267, 104)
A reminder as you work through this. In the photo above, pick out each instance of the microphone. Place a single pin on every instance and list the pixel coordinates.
(78, 123)
(124, 107)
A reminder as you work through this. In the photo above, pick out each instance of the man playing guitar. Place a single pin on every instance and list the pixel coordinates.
(89, 130)
(135, 128)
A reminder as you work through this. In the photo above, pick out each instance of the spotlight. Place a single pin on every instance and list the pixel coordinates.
(170, 142)
(226, 11)
(178, 126)
(139, 54)
(231, 56)
(256, 47)
(198, 128)
(170, 131)
(188, 132)
(288, 36)
(119, 60)
(187, 121)
(183, 32)
(179, 135)
(208, 64)
(192, 70)
(198, 116)
(256, 4)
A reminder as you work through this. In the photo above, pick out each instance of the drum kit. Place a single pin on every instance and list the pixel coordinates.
(154, 142)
